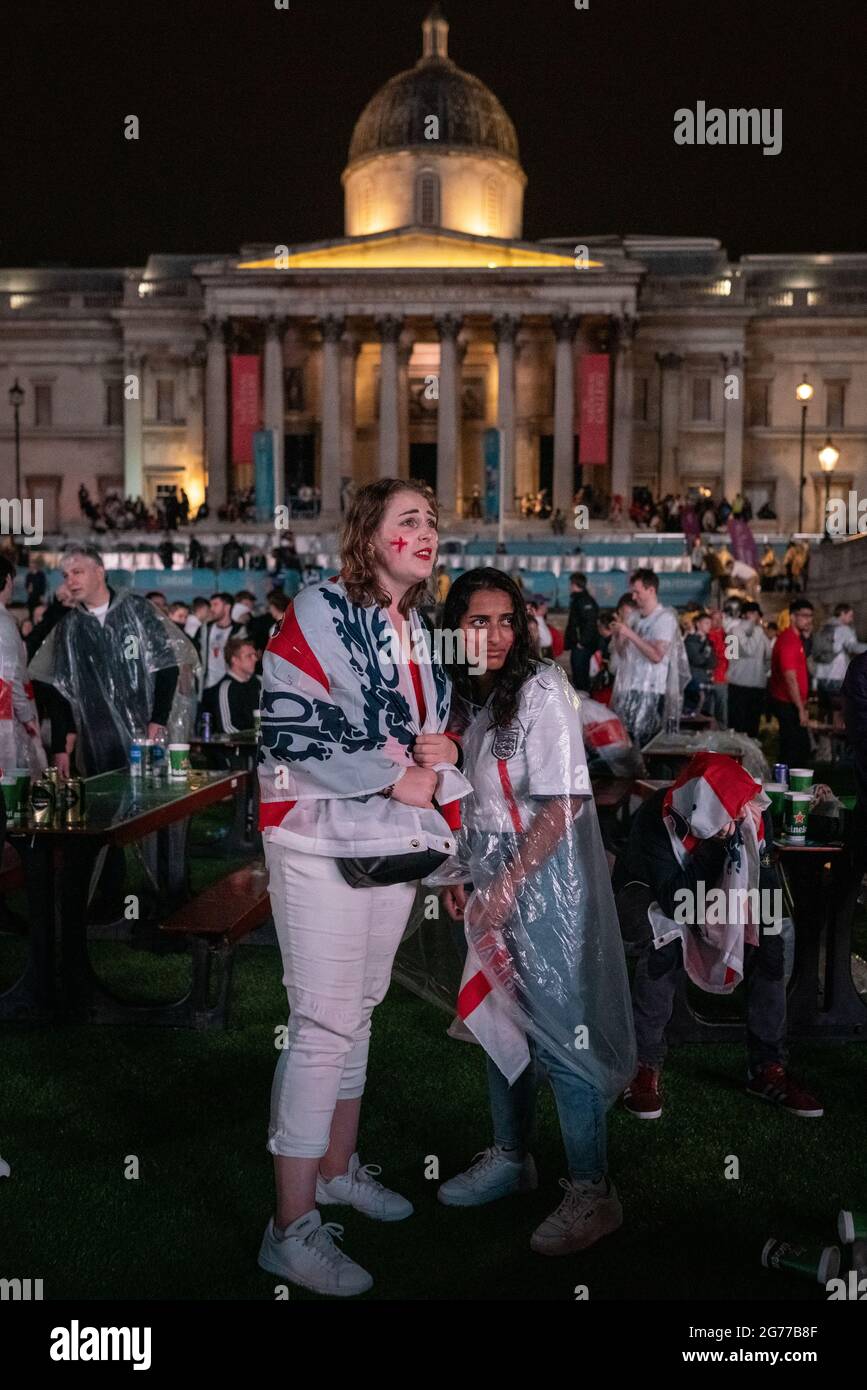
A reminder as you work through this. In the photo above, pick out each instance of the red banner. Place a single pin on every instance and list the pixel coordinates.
(246, 412)
(595, 368)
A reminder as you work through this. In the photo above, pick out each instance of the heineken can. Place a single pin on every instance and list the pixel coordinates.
(136, 757)
(781, 772)
(42, 801)
(73, 801)
(796, 809)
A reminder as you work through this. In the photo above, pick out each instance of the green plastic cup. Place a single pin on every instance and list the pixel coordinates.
(819, 1262)
(796, 809)
(11, 794)
(776, 791)
(800, 779)
(852, 1226)
(22, 776)
(179, 762)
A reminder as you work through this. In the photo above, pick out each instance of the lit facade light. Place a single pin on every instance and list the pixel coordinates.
(804, 391)
(828, 457)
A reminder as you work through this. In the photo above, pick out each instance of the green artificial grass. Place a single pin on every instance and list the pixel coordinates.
(77, 1101)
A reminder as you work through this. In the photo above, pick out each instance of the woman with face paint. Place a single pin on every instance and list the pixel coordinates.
(354, 765)
(544, 988)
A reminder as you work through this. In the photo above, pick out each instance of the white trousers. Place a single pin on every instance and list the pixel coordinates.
(338, 946)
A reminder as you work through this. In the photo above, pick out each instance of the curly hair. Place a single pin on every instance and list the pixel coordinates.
(357, 556)
(519, 665)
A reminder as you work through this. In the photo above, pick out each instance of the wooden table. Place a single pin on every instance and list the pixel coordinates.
(239, 750)
(59, 863)
(822, 1001)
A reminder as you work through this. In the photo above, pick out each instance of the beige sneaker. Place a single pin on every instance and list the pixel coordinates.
(584, 1216)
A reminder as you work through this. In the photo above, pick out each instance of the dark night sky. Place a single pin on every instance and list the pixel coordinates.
(246, 113)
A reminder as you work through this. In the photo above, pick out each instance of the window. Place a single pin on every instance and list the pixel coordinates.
(427, 199)
(758, 403)
(835, 404)
(114, 402)
(641, 398)
(492, 207)
(701, 398)
(165, 401)
(42, 403)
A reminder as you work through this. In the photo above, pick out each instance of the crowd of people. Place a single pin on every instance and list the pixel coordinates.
(379, 770)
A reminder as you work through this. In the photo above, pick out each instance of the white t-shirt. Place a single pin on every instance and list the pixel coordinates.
(99, 613)
(217, 639)
(659, 626)
(540, 754)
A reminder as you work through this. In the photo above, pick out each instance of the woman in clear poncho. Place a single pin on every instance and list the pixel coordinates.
(545, 987)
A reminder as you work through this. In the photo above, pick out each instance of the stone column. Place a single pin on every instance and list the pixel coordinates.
(216, 410)
(506, 328)
(133, 401)
(565, 327)
(733, 443)
(448, 415)
(389, 329)
(331, 328)
(404, 354)
(624, 411)
(669, 425)
(351, 349)
(194, 440)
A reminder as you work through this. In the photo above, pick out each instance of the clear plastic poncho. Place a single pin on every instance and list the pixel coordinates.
(647, 695)
(544, 956)
(107, 673)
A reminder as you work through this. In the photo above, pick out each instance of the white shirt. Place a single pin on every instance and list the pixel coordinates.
(540, 754)
(217, 639)
(659, 626)
(99, 613)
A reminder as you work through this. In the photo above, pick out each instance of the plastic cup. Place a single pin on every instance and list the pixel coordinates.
(796, 809)
(11, 794)
(800, 779)
(814, 1261)
(22, 776)
(179, 762)
(852, 1226)
(776, 791)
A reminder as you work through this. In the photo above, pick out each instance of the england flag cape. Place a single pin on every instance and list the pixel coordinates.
(711, 791)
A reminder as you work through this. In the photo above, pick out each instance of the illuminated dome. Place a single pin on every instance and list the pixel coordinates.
(438, 121)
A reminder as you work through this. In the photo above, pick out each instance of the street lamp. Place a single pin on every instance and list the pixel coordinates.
(804, 393)
(16, 400)
(828, 457)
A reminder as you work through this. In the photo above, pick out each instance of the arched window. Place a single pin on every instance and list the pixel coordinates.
(427, 199)
(492, 207)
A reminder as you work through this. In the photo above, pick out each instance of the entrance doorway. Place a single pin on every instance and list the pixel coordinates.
(546, 464)
(423, 463)
(299, 464)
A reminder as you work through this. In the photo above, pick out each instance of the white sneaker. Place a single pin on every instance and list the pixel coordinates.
(307, 1255)
(584, 1216)
(358, 1188)
(492, 1175)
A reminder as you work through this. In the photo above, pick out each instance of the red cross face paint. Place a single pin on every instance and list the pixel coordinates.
(399, 544)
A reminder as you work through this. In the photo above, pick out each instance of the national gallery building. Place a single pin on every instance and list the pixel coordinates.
(398, 348)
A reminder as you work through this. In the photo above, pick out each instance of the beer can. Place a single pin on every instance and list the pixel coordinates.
(73, 801)
(147, 757)
(781, 773)
(159, 760)
(206, 726)
(136, 758)
(42, 801)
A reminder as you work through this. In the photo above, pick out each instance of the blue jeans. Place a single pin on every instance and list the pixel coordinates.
(579, 1105)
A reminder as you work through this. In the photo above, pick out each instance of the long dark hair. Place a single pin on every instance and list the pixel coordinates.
(358, 560)
(519, 664)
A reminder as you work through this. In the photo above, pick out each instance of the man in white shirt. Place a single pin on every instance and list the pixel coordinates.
(834, 645)
(212, 637)
(748, 670)
(652, 674)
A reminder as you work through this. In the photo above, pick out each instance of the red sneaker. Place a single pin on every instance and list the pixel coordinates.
(773, 1083)
(642, 1096)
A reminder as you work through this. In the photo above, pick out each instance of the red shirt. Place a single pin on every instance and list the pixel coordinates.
(788, 655)
(717, 638)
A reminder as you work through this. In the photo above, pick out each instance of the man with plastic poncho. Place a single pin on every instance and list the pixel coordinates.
(121, 668)
(652, 668)
(20, 744)
(697, 890)
(545, 986)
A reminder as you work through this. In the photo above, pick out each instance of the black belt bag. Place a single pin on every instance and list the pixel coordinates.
(381, 870)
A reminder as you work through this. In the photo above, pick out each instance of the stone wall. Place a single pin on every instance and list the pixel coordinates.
(838, 573)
